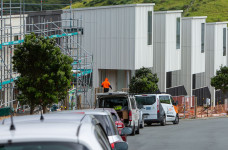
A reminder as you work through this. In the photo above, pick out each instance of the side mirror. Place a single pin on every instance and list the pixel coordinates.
(126, 131)
(121, 146)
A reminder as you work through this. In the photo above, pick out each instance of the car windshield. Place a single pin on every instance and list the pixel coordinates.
(43, 146)
(164, 99)
(148, 100)
(107, 124)
(118, 103)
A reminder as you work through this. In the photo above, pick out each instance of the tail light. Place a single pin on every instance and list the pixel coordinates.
(157, 105)
(124, 138)
(113, 145)
(130, 115)
(119, 124)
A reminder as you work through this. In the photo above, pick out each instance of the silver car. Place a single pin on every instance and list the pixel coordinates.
(105, 118)
(56, 131)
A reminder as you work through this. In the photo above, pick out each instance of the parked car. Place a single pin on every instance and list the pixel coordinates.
(119, 124)
(105, 118)
(125, 106)
(158, 108)
(54, 132)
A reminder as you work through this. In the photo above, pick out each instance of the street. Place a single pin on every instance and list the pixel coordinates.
(199, 134)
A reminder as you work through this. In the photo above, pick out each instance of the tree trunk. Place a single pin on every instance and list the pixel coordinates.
(31, 109)
(44, 107)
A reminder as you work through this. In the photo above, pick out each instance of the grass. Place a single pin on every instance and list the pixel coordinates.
(215, 10)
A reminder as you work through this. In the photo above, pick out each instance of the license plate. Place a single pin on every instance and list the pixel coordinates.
(148, 108)
(145, 116)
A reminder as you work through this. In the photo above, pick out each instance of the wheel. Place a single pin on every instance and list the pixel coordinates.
(176, 120)
(163, 122)
(137, 131)
(142, 124)
(133, 130)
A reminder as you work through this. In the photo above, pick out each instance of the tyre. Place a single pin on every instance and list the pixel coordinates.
(176, 120)
(133, 131)
(163, 122)
(142, 124)
(137, 131)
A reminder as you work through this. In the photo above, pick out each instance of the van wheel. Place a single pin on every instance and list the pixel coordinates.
(176, 120)
(133, 131)
(137, 131)
(142, 125)
(163, 122)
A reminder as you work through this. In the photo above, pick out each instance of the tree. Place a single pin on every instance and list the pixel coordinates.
(45, 73)
(220, 81)
(144, 81)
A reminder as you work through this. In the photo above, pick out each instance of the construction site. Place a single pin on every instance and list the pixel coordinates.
(18, 21)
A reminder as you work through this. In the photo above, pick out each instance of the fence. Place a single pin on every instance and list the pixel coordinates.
(188, 108)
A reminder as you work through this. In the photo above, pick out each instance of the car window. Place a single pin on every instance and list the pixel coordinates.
(102, 137)
(114, 117)
(165, 99)
(133, 103)
(149, 100)
(107, 124)
(43, 146)
(118, 103)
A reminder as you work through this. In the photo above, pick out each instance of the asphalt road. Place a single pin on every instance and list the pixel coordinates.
(199, 134)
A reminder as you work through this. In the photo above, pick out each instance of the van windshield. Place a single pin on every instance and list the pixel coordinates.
(165, 99)
(118, 103)
(145, 100)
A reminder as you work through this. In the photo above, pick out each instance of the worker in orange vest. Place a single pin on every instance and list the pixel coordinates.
(106, 84)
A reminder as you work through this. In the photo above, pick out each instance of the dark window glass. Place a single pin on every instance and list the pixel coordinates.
(178, 34)
(224, 41)
(202, 37)
(43, 146)
(145, 100)
(149, 36)
(118, 103)
(108, 125)
(168, 79)
(102, 137)
(164, 99)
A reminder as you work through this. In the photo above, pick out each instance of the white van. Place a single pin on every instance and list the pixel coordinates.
(158, 108)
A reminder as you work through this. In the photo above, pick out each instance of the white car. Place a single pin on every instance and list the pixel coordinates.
(125, 105)
(158, 108)
(56, 131)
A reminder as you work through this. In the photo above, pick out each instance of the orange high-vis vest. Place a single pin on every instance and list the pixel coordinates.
(106, 83)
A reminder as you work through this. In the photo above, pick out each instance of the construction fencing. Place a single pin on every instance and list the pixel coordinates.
(188, 108)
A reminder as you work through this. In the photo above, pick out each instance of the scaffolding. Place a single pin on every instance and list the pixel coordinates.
(68, 35)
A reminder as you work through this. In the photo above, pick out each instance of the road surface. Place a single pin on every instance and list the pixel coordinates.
(199, 134)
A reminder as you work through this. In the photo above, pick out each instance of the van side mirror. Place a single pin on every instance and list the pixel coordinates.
(126, 131)
(121, 146)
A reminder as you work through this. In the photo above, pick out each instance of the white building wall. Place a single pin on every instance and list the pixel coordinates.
(214, 52)
(143, 51)
(110, 35)
(166, 56)
(193, 60)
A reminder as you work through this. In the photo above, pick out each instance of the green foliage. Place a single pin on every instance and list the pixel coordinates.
(45, 73)
(144, 81)
(220, 81)
(216, 10)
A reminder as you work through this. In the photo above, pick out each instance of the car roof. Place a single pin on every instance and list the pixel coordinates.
(111, 110)
(112, 94)
(88, 112)
(51, 117)
(153, 95)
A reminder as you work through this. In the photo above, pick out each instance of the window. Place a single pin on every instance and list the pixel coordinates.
(202, 37)
(149, 34)
(178, 33)
(142, 100)
(165, 99)
(224, 41)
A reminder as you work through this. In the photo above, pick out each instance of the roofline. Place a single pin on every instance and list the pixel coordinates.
(168, 12)
(214, 23)
(112, 6)
(195, 17)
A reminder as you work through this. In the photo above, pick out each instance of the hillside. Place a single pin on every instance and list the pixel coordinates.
(216, 10)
